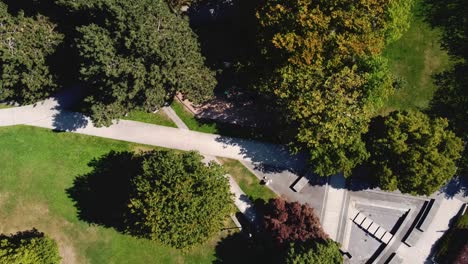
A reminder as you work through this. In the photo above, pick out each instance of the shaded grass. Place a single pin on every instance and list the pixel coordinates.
(38, 165)
(414, 59)
(248, 182)
(453, 241)
(192, 123)
(224, 129)
(159, 118)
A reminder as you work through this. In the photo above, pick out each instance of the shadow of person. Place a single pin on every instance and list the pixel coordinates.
(101, 195)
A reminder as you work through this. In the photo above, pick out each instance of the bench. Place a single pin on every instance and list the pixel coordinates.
(428, 216)
(300, 184)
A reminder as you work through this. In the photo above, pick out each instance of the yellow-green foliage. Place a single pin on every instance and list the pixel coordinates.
(414, 153)
(29, 247)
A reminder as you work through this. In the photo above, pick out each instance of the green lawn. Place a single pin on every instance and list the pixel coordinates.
(3, 106)
(415, 58)
(453, 241)
(159, 118)
(38, 166)
(190, 120)
(247, 181)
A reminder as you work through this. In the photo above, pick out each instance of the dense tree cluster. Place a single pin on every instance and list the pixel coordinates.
(291, 222)
(326, 71)
(25, 45)
(177, 199)
(414, 153)
(451, 98)
(136, 55)
(320, 252)
(29, 246)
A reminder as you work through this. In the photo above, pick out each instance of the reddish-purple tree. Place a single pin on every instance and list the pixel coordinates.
(291, 222)
(462, 257)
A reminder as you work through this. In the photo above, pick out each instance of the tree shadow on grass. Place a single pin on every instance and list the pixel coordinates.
(101, 196)
(22, 235)
(240, 248)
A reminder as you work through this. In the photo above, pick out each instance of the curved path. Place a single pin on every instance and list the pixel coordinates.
(50, 114)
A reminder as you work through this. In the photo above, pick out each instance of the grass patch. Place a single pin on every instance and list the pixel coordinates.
(38, 166)
(190, 120)
(414, 58)
(159, 118)
(453, 241)
(224, 129)
(248, 182)
(4, 106)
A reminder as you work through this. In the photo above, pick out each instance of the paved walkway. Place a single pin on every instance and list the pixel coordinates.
(439, 225)
(47, 114)
(334, 199)
(174, 117)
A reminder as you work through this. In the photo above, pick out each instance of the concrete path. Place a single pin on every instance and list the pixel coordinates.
(174, 117)
(48, 114)
(334, 198)
(440, 224)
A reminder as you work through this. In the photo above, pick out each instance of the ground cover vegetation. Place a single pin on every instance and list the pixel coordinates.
(25, 46)
(79, 201)
(413, 60)
(248, 182)
(159, 118)
(29, 246)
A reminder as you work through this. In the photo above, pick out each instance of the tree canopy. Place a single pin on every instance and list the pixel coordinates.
(414, 153)
(136, 55)
(451, 98)
(317, 252)
(291, 222)
(326, 72)
(25, 45)
(29, 246)
(177, 199)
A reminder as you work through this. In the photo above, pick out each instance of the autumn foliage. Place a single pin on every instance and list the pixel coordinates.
(292, 222)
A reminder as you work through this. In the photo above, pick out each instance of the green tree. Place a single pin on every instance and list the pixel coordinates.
(28, 247)
(413, 153)
(317, 252)
(451, 98)
(178, 200)
(331, 111)
(325, 71)
(25, 45)
(399, 14)
(136, 55)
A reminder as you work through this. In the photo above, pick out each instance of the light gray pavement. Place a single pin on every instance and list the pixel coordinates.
(334, 204)
(282, 180)
(174, 117)
(440, 224)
